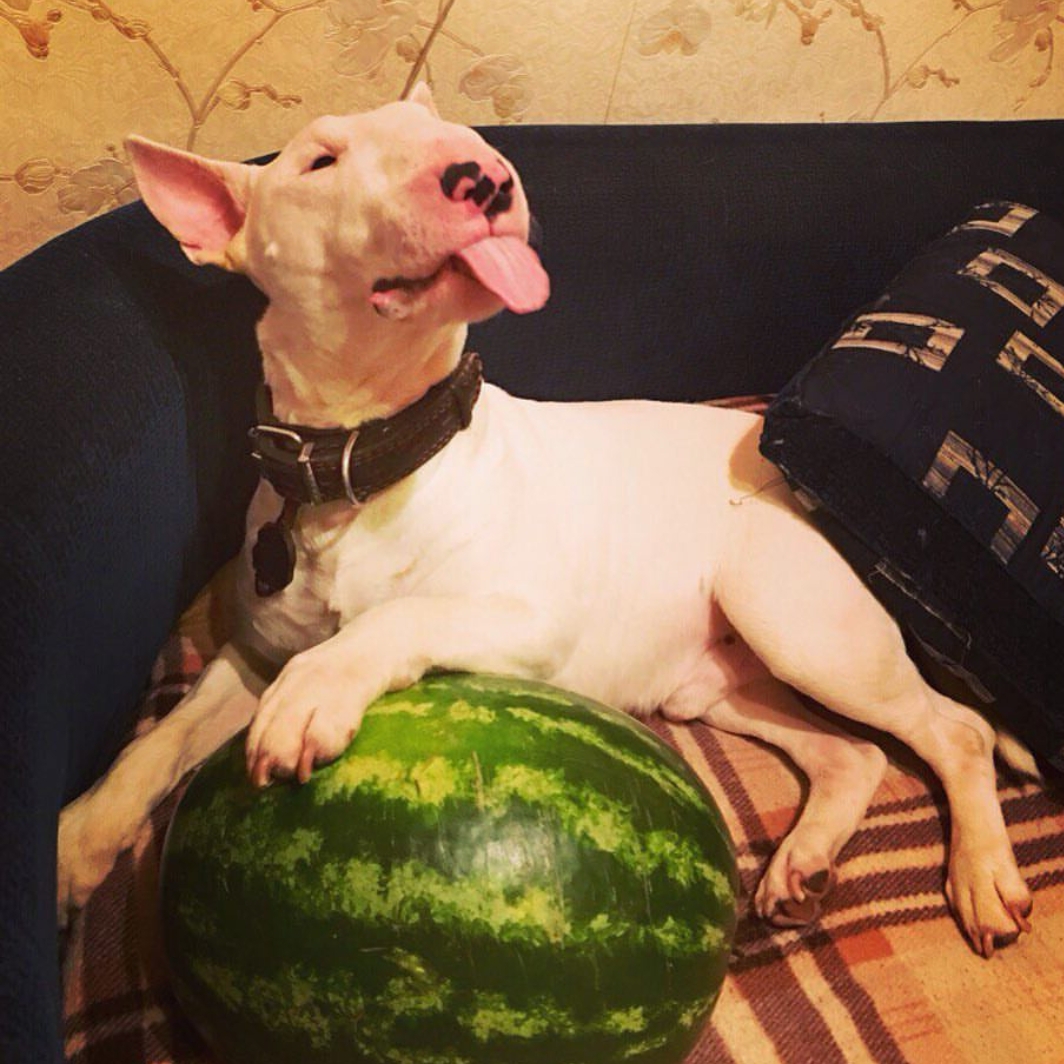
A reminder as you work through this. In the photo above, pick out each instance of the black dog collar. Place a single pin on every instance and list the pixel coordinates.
(309, 466)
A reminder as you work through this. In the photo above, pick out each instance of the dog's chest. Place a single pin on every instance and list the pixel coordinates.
(344, 565)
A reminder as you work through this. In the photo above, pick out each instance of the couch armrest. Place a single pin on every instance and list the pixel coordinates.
(128, 379)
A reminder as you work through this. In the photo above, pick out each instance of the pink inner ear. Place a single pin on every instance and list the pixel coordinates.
(190, 197)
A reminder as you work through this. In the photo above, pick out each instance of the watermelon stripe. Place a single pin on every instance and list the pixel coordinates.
(491, 1016)
(287, 1001)
(643, 759)
(252, 843)
(550, 725)
(493, 686)
(462, 711)
(411, 894)
(581, 809)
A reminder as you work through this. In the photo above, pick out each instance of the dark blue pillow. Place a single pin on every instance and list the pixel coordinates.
(930, 435)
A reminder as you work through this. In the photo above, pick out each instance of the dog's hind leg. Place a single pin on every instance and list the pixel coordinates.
(96, 827)
(843, 772)
(812, 622)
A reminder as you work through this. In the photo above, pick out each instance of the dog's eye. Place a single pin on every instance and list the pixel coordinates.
(322, 161)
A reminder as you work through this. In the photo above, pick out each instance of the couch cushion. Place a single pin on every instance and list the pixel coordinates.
(930, 434)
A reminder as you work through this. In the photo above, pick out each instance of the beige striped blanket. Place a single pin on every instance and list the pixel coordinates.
(884, 977)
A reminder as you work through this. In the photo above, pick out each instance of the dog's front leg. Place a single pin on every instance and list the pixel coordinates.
(95, 828)
(312, 711)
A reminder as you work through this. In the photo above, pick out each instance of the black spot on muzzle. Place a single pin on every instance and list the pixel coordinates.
(467, 181)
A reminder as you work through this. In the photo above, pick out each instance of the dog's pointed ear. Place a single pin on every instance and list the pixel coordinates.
(202, 202)
(422, 94)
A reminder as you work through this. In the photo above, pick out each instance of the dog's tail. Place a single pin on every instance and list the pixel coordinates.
(1014, 754)
(965, 688)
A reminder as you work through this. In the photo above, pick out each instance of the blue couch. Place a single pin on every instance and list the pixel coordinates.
(687, 263)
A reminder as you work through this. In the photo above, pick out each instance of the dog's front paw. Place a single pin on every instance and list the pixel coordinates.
(84, 857)
(307, 717)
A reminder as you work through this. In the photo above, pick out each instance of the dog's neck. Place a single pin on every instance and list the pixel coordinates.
(331, 369)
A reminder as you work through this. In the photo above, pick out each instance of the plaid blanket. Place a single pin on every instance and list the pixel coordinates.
(883, 977)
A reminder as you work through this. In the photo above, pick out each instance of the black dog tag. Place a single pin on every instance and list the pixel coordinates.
(274, 555)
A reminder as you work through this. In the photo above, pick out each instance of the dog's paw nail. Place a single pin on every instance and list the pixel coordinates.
(796, 886)
(1000, 941)
(818, 883)
(806, 912)
(1020, 914)
(306, 765)
(791, 913)
(260, 774)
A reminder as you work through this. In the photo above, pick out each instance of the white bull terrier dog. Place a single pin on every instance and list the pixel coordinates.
(640, 553)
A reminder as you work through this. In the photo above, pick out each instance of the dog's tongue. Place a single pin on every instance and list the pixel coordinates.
(507, 266)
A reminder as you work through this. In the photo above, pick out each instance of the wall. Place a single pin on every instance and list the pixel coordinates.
(235, 77)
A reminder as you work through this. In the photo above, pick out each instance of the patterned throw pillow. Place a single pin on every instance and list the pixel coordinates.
(929, 434)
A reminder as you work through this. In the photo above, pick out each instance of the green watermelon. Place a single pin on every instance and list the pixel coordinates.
(495, 872)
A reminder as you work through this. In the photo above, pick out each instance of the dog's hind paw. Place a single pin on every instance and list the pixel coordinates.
(990, 902)
(792, 891)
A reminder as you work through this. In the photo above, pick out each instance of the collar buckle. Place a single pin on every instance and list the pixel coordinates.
(280, 445)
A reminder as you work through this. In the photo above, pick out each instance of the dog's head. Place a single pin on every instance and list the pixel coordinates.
(393, 213)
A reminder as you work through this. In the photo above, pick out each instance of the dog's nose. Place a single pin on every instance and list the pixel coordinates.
(491, 192)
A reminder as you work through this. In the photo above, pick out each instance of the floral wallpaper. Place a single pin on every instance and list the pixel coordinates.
(235, 77)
